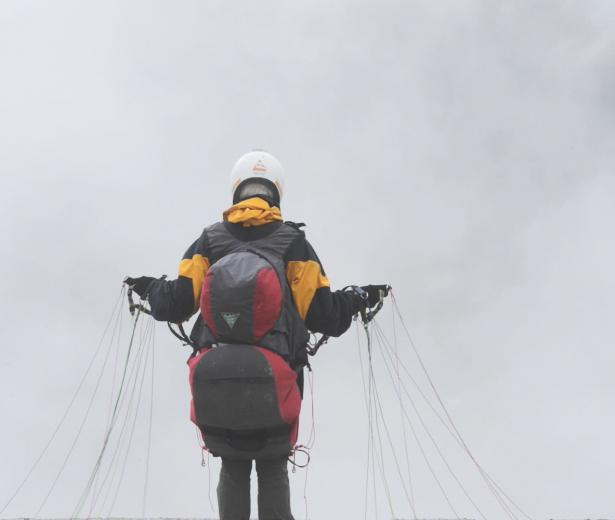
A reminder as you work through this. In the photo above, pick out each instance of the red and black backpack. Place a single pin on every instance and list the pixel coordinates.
(244, 381)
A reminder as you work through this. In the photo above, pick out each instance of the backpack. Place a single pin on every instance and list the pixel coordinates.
(241, 298)
(246, 400)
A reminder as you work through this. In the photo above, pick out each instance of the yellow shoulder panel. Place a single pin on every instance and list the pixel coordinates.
(195, 268)
(304, 278)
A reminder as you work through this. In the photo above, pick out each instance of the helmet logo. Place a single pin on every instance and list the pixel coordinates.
(259, 167)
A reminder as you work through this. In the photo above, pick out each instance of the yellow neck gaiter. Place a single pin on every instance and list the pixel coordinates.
(252, 212)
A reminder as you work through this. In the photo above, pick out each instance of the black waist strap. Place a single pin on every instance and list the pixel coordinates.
(258, 433)
(247, 440)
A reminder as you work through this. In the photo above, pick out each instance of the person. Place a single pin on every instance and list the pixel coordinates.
(252, 231)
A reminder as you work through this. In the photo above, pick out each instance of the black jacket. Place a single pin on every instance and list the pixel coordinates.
(323, 310)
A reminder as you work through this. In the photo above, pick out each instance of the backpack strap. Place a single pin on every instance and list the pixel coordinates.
(294, 225)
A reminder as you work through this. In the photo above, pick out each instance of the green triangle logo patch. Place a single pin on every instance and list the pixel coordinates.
(230, 318)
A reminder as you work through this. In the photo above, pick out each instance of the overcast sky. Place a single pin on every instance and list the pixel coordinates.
(461, 151)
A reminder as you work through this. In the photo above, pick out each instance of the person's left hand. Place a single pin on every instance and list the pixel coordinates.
(140, 284)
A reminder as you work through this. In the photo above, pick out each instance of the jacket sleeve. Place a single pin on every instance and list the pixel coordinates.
(323, 310)
(177, 300)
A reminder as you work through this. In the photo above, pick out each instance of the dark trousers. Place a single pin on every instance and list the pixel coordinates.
(273, 489)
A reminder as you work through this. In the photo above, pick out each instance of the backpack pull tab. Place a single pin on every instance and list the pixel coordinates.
(203, 463)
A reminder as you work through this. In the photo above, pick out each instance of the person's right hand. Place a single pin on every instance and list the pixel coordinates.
(373, 293)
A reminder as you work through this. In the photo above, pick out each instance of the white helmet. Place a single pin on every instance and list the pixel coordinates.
(257, 173)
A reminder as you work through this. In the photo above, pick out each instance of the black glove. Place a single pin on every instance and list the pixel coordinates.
(373, 293)
(139, 285)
